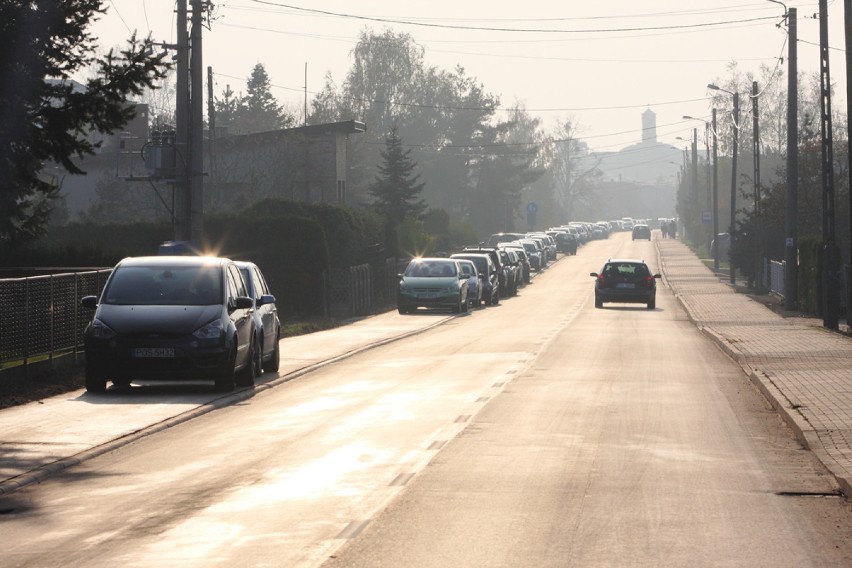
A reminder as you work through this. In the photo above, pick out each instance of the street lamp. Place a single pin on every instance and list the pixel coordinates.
(712, 207)
(736, 127)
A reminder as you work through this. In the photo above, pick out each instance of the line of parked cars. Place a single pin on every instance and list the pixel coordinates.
(483, 274)
(182, 318)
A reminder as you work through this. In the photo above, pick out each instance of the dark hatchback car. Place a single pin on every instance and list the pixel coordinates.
(172, 318)
(625, 281)
(641, 232)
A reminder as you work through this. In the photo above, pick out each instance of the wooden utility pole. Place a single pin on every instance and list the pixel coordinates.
(196, 121)
(791, 271)
(182, 197)
(830, 297)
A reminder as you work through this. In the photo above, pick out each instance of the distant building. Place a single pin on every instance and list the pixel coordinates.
(648, 161)
(640, 180)
(307, 163)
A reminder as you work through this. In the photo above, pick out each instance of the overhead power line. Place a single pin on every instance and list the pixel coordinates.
(508, 29)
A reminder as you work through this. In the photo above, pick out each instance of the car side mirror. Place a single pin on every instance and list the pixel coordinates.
(481, 276)
(657, 276)
(90, 302)
(243, 303)
(593, 274)
(399, 276)
(463, 276)
(265, 299)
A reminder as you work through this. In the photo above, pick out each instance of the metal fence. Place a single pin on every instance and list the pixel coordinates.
(41, 315)
(776, 276)
(361, 290)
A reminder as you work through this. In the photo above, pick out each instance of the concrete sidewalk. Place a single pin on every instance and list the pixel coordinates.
(803, 369)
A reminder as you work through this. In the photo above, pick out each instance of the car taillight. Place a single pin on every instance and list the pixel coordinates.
(649, 281)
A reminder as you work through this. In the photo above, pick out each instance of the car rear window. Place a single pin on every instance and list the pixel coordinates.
(165, 286)
(627, 269)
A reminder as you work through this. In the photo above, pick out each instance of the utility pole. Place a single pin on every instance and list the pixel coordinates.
(736, 117)
(847, 10)
(715, 195)
(695, 181)
(755, 145)
(182, 204)
(196, 122)
(791, 257)
(830, 298)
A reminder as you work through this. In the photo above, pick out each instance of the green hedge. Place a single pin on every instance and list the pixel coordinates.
(294, 243)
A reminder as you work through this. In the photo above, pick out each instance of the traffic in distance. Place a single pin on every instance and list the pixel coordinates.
(483, 274)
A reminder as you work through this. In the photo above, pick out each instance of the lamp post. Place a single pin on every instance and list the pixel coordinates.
(711, 200)
(736, 129)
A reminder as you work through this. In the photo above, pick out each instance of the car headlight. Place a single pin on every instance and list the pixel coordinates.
(100, 330)
(212, 330)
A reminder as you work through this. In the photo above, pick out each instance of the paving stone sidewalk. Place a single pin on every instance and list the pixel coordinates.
(802, 368)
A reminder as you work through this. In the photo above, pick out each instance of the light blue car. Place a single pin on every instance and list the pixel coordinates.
(432, 283)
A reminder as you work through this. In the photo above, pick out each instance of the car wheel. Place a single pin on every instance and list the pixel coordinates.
(274, 361)
(652, 304)
(95, 381)
(598, 303)
(496, 299)
(121, 383)
(245, 377)
(488, 299)
(226, 379)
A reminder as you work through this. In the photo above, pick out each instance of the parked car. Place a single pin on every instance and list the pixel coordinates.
(474, 281)
(432, 283)
(566, 242)
(266, 322)
(641, 232)
(498, 238)
(533, 252)
(172, 318)
(625, 281)
(514, 273)
(523, 259)
(490, 282)
(503, 270)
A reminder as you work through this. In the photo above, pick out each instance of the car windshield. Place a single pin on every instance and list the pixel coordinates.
(431, 269)
(466, 268)
(164, 286)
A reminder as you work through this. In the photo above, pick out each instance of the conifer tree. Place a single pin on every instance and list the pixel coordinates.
(45, 116)
(396, 191)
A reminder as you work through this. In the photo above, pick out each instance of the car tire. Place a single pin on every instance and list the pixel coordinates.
(95, 381)
(226, 378)
(652, 304)
(274, 362)
(496, 299)
(245, 376)
(598, 303)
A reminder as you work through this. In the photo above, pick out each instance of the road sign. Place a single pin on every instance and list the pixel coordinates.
(532, 207)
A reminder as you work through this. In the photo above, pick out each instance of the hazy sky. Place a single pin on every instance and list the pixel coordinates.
(600, 64)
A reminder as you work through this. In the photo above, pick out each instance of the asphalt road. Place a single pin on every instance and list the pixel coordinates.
(540, 432)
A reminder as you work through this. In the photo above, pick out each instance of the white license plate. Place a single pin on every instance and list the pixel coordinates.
(151, 352)
(625, 285)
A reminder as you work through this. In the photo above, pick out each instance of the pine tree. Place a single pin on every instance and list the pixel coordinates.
(396, 191)
(44, 115)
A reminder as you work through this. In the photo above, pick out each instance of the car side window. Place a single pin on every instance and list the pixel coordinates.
(260, 282)
(239, 285)
(232, 287)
